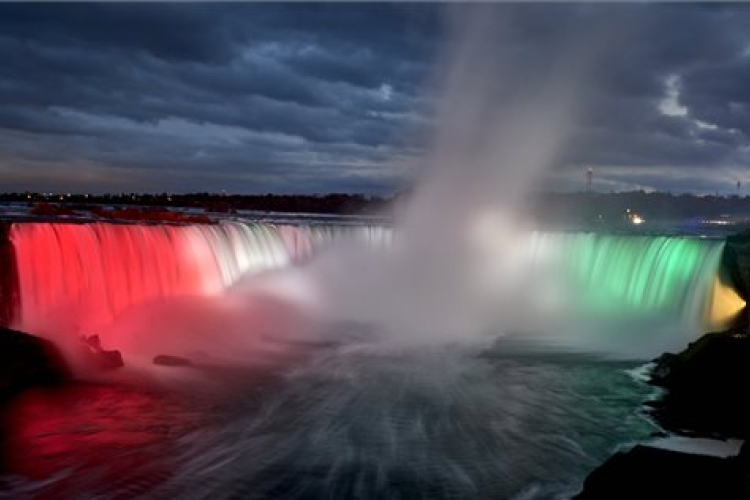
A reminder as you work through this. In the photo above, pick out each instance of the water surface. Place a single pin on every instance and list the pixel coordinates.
(352, 420)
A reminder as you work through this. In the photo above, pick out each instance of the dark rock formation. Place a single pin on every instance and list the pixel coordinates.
(27, 361)
(706, 387)
(106, 360)
(98, 358)
(8, 276)
(166, 360)
(646, 472)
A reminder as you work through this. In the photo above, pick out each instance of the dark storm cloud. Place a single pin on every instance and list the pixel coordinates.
(251, 97)
(167, 31)
(659, 111)
(317, 98)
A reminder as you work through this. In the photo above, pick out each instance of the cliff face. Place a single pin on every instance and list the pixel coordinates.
(8, 277)
(706, 387)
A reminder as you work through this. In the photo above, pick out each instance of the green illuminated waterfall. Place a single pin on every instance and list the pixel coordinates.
(663, 279)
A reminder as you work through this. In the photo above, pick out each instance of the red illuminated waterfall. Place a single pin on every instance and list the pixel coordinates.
(77, 277)
(83, 275)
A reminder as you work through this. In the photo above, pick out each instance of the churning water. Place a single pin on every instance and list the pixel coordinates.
(354, 420)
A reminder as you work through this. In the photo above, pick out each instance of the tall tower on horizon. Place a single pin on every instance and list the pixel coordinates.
(589, 179)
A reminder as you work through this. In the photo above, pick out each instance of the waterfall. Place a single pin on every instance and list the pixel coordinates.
(79, 276)
(89, 273)
(648, 279)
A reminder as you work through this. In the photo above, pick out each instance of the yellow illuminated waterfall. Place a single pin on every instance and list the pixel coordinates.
(724, 306)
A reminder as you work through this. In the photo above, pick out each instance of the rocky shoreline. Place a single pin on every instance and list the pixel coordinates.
(704, 397)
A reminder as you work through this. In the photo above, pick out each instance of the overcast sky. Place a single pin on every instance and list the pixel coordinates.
(306, 98)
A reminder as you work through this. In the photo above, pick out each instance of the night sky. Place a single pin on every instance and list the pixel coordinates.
(315, 98)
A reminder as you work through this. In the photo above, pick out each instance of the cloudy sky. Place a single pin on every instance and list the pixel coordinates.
(306, 98)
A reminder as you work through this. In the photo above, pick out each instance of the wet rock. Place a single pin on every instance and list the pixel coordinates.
(99, 358)
(646, 472)
(662, 367)
(167, 360)
(28, 361)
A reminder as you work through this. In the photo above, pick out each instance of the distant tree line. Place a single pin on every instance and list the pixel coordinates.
(651, 205)
(333, 203)
(547, 206)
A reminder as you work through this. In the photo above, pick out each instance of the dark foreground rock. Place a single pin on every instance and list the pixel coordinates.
(706, 387)
(27, 361)
(167, 360)
(646, 472)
